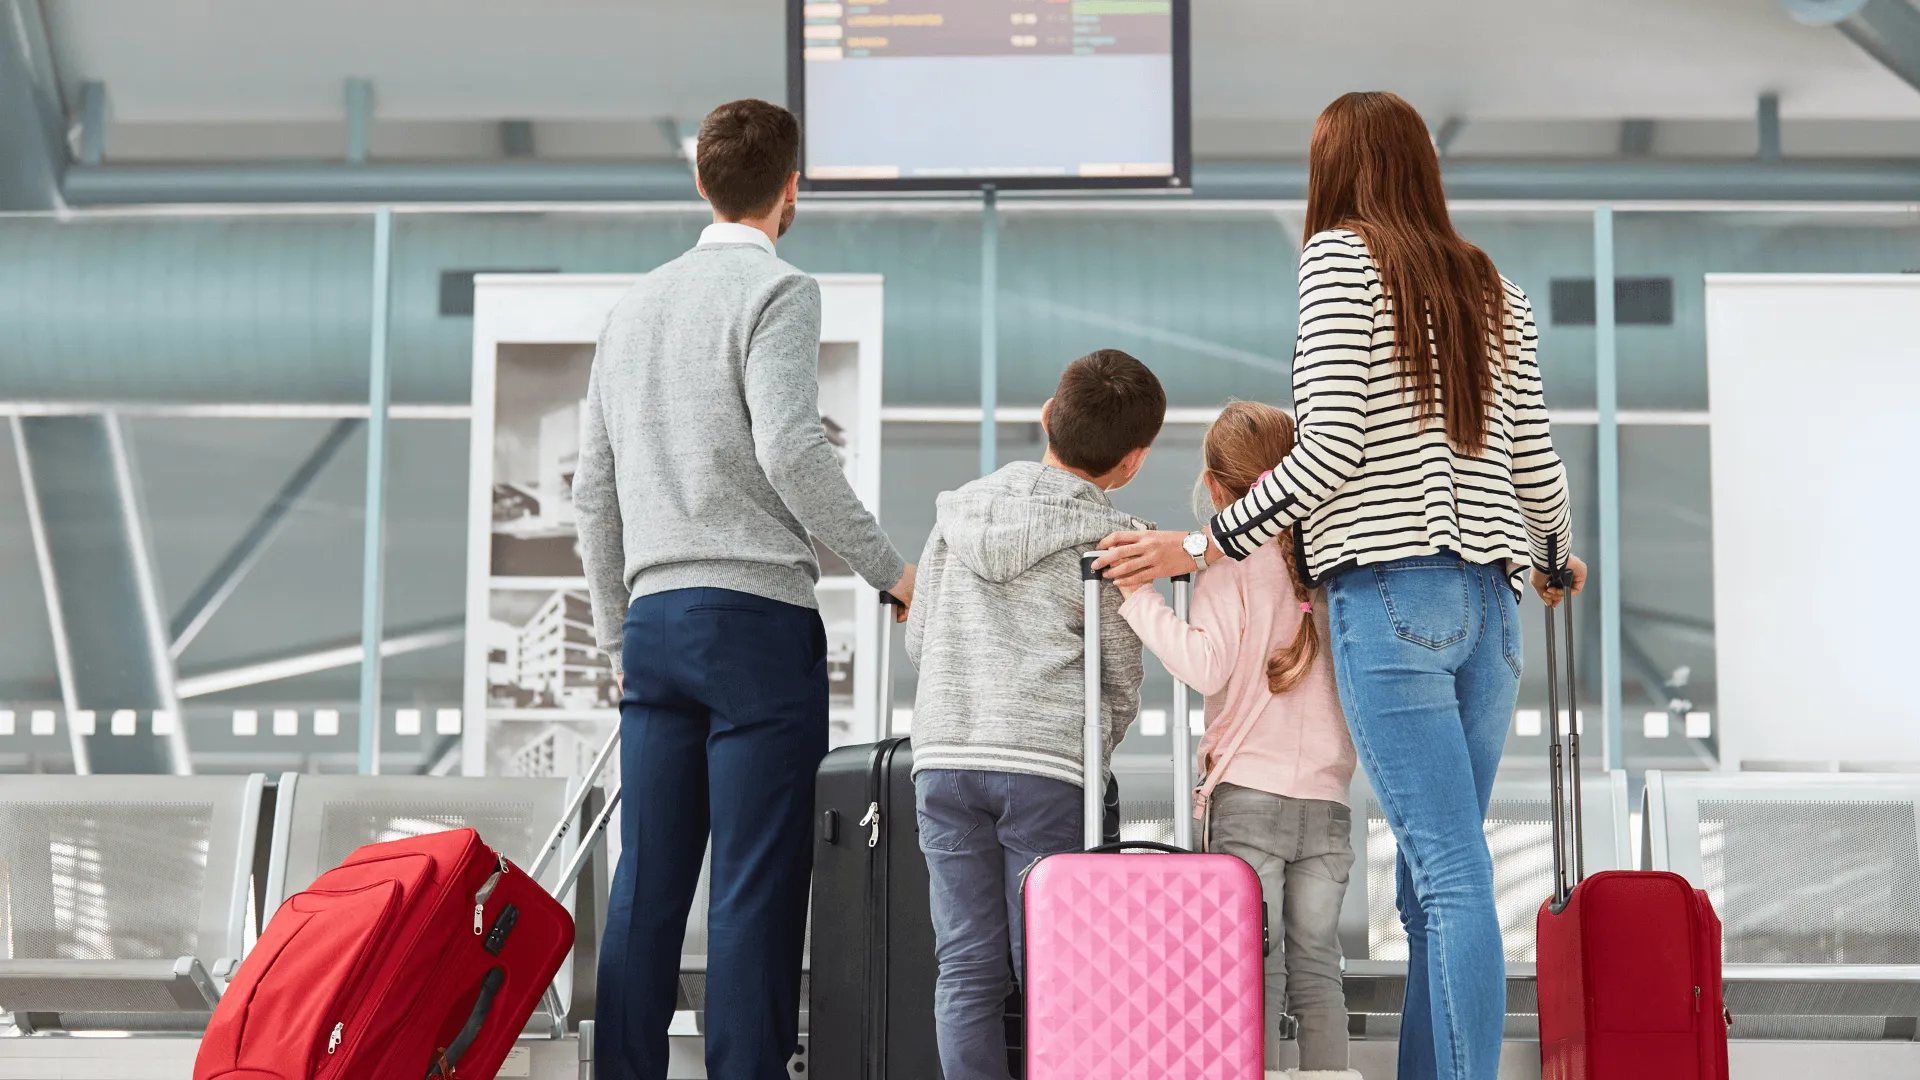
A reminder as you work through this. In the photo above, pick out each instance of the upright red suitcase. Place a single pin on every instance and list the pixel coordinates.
(417, 958)
(1628, 961)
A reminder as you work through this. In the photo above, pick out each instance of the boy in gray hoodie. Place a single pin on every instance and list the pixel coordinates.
(996, 631)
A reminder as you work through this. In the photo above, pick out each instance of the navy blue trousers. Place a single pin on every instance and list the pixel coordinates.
(722, 727)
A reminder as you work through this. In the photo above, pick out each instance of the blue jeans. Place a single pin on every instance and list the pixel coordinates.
(1427, 654)
(980, 831)
(722, 726)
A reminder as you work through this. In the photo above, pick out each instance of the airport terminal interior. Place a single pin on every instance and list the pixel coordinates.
(298, 303)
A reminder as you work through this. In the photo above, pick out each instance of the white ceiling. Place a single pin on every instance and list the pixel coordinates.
(1254, 60)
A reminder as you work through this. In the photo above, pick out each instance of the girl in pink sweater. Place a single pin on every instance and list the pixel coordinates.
(1276, 758)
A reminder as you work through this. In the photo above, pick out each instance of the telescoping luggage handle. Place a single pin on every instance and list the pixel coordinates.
(1093, 747)
(584, 850)
(598, 827)
(1569, 841)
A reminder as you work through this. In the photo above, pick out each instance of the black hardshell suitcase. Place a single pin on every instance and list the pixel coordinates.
(872, 966)
(872, 969)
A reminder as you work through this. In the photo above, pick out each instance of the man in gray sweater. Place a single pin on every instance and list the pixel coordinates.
(705, 475)
(998, 636)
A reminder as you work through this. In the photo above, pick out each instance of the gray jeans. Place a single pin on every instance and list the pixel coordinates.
(1302, 851)
(980, 831)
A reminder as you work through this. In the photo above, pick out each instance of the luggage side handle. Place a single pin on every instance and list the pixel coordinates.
(447, 1059)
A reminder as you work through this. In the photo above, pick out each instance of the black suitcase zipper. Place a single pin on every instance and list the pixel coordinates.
(878, 894)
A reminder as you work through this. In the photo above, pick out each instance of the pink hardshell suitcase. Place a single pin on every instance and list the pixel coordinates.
(1141, 966)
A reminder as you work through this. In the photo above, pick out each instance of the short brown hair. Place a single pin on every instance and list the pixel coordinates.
(746, 151)
(1107, 406)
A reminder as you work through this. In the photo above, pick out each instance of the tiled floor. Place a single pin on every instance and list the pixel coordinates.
(172, 1059)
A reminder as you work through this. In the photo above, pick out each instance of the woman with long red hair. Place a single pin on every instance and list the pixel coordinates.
(1422, 491)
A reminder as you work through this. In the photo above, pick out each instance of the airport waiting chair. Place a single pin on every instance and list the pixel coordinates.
(122, 896)
(320, 820)
(1816, 878)
(1519, 833)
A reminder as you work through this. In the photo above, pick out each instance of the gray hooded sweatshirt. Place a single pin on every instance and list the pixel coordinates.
(996, 627)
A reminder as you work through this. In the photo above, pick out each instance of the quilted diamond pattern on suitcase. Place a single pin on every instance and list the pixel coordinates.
(1143, 966)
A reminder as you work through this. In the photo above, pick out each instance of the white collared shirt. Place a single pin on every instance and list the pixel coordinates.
(732, 232)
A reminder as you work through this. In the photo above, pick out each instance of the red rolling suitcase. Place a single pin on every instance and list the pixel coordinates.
(1628, 961)
(417, 958)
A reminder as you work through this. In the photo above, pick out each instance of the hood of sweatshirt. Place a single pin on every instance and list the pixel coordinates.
(1001, 524)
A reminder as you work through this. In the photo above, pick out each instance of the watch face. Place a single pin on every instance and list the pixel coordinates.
(1194, 544)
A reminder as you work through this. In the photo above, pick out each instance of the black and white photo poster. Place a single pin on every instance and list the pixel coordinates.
(535, 672)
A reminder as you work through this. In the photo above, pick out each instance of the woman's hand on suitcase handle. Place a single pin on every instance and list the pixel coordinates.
(1550, 593)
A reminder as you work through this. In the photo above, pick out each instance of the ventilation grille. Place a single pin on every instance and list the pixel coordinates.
(1147, 819)
(1813, 882)
(92, 881)
(1637, 301)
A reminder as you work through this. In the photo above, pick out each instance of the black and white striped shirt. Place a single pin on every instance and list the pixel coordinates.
(1368, 481)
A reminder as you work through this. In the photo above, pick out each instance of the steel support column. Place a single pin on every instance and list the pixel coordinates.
(989, 328)
(1607, 401)
(103, 604)
(33, 137)
(1767, 119)
(359, 106)
(373, 552)
(1887, 30)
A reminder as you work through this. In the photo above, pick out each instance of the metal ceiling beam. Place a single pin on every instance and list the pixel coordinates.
(1888, 30)
(33, 136)
(103, 599)
(326, 658)
(319, 182)
(199, 609)
(558, 182)
(1608, 181)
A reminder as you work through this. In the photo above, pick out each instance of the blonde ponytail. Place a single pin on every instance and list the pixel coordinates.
(1289, 664)
(1246, 441)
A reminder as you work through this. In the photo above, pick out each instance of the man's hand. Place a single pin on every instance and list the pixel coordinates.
(903, 591)
(1137, 559)
(1551, 595)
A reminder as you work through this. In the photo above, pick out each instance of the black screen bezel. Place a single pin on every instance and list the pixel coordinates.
(1180, 181)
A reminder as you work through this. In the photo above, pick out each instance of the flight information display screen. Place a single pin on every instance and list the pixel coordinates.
(958, 94)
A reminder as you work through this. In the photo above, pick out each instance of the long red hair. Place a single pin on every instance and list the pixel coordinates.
(1246, 440)
(1372, 169)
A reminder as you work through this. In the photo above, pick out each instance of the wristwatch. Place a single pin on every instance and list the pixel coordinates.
(1196, 545)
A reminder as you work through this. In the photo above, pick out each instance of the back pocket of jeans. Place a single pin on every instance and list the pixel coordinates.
(1426, 603)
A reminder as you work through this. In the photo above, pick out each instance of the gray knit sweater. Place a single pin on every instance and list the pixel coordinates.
(703, 462)
(997, 623)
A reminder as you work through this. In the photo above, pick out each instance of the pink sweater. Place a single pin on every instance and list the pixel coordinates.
(1294, 745)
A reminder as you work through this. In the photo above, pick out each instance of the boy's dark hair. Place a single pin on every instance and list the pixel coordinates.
(744, 154)
(1107, 406)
